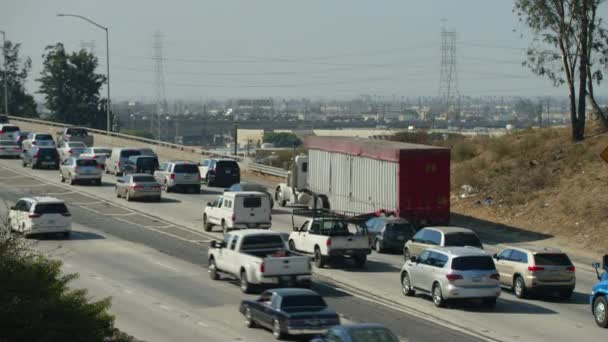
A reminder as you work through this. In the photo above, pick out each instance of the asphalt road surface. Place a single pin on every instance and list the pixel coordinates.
(154, 269)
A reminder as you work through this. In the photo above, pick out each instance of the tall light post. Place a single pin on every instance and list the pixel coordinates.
(5, 72)
(107, 61)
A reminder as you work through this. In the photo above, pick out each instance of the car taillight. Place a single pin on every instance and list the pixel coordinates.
(70, 151)
(94, 156)
(33, 143)
(571, 269)
(535, 268)
(453, 277)
(136, 186)
(155, 187)
(35, 215)
(66, 214)
(99, 166)
(262, 267)
(495, 276)
(328, 242)
(172, 176)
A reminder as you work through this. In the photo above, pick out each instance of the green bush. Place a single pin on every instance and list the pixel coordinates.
(463, 151)
(36, 303)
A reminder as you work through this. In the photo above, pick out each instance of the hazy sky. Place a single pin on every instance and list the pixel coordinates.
(286, 48)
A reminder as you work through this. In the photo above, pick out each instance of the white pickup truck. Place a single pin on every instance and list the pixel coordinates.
(258, 257)
(330, 238)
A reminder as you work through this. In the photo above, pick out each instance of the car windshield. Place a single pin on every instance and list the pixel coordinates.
(375, 334)
(227, 164)
(400, 228)
(552, 259)
(47, 152)
(8, 129)
(129, 153)
(302, 301)
(44, 137)
(333, 228)
(462, 239)
(252, 202)
(252, 187)
(77, 144)
(265, 241)
(102, 151)
(143, 179)
(7, 143)
(86, 162)
(185, 168)
(469, 263)
(50, 208)
(77, 132)
(147, 162)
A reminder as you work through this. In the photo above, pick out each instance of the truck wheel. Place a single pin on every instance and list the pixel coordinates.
(319, 259)
(379, 246)
(249, 322)
(246, 287)
(72, 180)
(276, 330)
(212, 269)
(360, 260)
(438, 296)
(224, 228)
(600, 311)
(292, 245)
(519, 287)
(206, 224)
(128, 197)
(406, 285)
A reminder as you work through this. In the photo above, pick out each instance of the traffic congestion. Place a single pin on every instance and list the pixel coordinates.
(448, 265)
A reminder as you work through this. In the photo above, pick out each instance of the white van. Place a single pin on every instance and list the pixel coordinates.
(238, 210)
(40, 215)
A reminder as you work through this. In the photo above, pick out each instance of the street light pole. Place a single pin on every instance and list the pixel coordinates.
(108, 104)
(5, 73)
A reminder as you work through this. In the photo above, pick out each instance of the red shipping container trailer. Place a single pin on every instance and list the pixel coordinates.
(364, 176)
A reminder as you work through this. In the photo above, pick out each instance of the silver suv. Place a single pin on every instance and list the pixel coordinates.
(451, 273)
(176, 174)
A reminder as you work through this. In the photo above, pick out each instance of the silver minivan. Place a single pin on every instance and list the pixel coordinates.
(451, 273)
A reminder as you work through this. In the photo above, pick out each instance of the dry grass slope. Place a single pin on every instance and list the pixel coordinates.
(537, 180)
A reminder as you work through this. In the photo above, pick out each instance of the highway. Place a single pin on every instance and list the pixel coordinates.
(154, 271)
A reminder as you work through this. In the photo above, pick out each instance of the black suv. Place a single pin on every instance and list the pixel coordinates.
(41, 157)
(388, 233)
(220, 172)
(141, 164)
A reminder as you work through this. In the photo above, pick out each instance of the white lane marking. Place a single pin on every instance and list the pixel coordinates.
(85, 203)
(164, 307)
(166, 266)
(158, 227)
(202, 324)
(96, 277)
(127, 291)
(29, 185)
(13, 177)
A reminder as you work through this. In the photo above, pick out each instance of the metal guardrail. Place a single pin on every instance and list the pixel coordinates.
(132, 137)
(269, 170)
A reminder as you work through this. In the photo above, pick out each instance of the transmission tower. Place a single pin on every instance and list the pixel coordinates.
(159, 84)
(448, 77)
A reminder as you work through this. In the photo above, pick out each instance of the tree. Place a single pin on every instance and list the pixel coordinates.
(282, 139)
(71, 87)
(20, 103)
(38, 305)
(569, 46)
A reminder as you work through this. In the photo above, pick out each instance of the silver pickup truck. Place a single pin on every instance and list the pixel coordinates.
(74, 134)
(258, 257)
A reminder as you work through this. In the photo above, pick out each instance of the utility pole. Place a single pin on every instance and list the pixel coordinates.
(159, 83)
(236, 137)
(548, 111)
(5, 72)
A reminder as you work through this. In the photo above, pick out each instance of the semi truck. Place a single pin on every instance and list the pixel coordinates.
(363, 176)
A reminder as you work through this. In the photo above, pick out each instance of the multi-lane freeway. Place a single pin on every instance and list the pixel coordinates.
(151, 257)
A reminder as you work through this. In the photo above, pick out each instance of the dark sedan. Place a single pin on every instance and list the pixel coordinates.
(289, 312)
(356, 333)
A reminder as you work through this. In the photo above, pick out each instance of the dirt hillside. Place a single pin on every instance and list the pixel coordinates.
(536, 180)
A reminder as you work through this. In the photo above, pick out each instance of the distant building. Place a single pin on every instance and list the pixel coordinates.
(251, 106)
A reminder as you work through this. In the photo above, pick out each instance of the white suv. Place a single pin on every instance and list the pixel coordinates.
(40, 215)
(451, 273)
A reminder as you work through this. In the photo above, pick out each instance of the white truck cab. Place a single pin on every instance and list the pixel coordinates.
(238, 210)
(330, 238)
